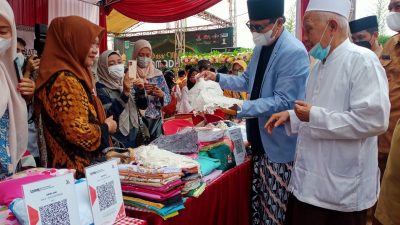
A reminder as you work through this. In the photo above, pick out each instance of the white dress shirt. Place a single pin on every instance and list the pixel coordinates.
(336, 163)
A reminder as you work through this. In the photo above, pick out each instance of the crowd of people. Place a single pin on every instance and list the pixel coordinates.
(323, 130)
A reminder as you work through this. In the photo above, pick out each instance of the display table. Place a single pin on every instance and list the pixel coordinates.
(225, 202)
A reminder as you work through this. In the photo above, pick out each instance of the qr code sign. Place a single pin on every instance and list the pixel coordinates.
(106, 195)
(238, 146)
(55, 213)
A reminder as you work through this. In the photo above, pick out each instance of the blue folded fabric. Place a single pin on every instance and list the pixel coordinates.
(207, 164)
(162, 212)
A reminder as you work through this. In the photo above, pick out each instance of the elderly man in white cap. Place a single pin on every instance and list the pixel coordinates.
(335, 178)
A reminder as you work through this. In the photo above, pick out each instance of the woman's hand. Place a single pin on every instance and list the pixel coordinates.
(127, 84)
(138, 83)
(112, 125)
(158, 92)
(27, 88)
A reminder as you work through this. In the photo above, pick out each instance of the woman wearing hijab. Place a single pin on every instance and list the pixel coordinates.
(155, 85)
(121, 96)
(13, 113)
(191, 79)
(74, 122)
(238, 67)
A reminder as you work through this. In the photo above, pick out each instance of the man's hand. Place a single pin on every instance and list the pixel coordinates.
(112, 125)
(208, 75)
(276, 120)
(302, 110)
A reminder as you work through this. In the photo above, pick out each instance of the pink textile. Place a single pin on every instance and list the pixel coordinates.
(163, 189)
(212, 176)
(148, 194)
(7, 217)
(131, 221)
(12, 189)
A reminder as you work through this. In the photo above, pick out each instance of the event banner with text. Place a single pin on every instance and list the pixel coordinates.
(164, 44)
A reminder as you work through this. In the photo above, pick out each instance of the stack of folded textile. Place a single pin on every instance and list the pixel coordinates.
(155, 182)
(158, 190)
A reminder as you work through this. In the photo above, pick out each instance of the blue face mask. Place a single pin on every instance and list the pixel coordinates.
(318, 52)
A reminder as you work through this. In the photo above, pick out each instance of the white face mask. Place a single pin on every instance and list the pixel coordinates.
(20, 58)
(143, 62)
(393, 21)
(4, 45)
(263, 39)
(116, 71)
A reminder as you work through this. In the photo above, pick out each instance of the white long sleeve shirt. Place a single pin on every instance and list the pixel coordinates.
(336, 163)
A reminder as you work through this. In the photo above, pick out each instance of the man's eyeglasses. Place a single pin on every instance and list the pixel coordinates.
(255, 27)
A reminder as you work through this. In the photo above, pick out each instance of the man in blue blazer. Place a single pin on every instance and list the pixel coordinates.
(274, 79)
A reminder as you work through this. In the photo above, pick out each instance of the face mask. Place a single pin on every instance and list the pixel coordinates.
(393, 21)
(263, 39)
(318, 52)
(4, 45)
(116, 71)
(364, 44)
(20, 59)
(143, 62)
(240, 73)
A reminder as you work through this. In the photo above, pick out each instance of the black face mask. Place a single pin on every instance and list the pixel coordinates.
(364, 44)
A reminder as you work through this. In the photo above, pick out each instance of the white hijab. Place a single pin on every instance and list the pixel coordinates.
(11, 99)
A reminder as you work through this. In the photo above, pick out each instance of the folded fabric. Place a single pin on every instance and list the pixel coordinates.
(177, 199)
(145, 170)
(190, 177)
(152, 157)
(139, 200)
(7, 217)
(181, 143)
(148, 194)
(212, 176)
(193, 156)
(165, 188)
(129, 182)
(224, 154)
(19, 210)
(162, 212)
(147, 175)
(207, 164)
(211, 146)
(150, 180)
(206, 134)
(198, 191)
(191, 185)
(12, 188)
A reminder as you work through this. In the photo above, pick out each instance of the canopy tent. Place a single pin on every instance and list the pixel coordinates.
(155, 11)
(118, 23)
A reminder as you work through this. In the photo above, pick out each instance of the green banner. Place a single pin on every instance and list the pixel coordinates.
(164, 44)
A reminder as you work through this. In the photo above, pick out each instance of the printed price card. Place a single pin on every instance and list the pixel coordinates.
(52, 201)
(239, 150)
(105, 193)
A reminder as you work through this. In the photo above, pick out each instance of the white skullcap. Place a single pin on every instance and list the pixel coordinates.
(341, 7)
